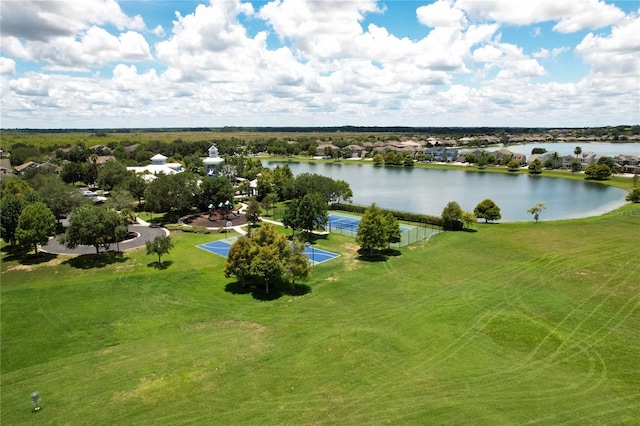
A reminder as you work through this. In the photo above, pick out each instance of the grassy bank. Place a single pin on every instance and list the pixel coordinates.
(511, 324)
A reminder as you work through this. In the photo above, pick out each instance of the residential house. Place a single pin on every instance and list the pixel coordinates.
(462, 156)
(628, 163)
(355, 150)
(5, 167)
(441, 153)
(22, 168)
(324, 149)
(101, 159)
(587, 158)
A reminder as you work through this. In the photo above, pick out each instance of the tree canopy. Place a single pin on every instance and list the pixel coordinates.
(262, 259)
(452, 216)
(160, 245)
(597, 171)
(536, 166)
(92, 226)
(488, 210)
(537, 210)
(10, 209)
(36, 224)
(373, 230)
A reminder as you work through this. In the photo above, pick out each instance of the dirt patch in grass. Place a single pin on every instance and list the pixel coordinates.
(55, 261)
(350, 256)
(230, 323)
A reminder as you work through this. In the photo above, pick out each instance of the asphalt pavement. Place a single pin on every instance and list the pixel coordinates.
(144, 233)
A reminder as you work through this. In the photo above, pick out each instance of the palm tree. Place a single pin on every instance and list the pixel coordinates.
(577, 151)
(556, 158)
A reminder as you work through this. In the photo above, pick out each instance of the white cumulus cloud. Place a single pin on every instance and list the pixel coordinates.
(570, 15)
(7, 65)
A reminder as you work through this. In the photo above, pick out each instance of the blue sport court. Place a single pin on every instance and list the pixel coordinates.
(349, 223)
(221, 248)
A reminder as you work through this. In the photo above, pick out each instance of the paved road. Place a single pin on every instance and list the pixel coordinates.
(144, 233)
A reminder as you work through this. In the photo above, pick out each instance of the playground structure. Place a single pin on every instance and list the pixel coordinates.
(222, 211)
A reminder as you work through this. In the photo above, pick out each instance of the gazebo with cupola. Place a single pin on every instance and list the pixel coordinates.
(212, 162)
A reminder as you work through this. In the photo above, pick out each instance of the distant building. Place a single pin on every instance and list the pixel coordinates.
(158, 165)
(5, 167)
(213, 162)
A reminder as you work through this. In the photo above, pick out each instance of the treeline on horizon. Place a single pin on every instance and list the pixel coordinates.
(470, 131)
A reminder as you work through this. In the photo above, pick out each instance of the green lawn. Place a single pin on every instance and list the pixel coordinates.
(516, 323)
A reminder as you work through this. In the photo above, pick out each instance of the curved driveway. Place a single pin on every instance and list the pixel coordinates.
(144, 232)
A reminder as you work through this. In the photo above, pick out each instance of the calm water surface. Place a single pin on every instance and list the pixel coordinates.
(429, 190)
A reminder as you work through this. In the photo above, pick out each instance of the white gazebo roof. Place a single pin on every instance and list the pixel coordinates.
(213, 160)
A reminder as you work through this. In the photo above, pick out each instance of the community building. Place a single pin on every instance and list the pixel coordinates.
(158, 166)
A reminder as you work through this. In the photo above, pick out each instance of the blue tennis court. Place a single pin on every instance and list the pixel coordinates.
(349, 223)
(221, 248)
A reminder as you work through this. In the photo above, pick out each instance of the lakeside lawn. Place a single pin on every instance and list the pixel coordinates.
(515, 323)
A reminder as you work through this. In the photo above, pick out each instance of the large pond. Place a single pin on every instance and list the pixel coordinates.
(429, 190)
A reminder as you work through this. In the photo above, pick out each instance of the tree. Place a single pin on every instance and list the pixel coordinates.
(268, 202)
(18, 187)
(111, 174)
(378, 159)
(576, 165)
(372, 232)
(74, 172)
(392, 228)
(60, 197)
(282, 179)
(119, 199)
(482, 162)
(408, 160)
(35, 225)
(577, 151)
(597, 171)
(264, 185)
(342, 192)
(93, 226)
(290, 217)
(253, 212)
(452, 216)
(238, 263)
(608, 161)
(263, 257)
(159, 245)
(536, 166)
(312, 212)
(298, 265)
(172, 192)
(468, 218)
(513, 166)
(487, 210)
(215, 190)
(136, 185)
(10, 209)
(537, 210)
(633, 196)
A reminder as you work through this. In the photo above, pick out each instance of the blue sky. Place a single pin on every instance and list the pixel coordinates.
(161, 63)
